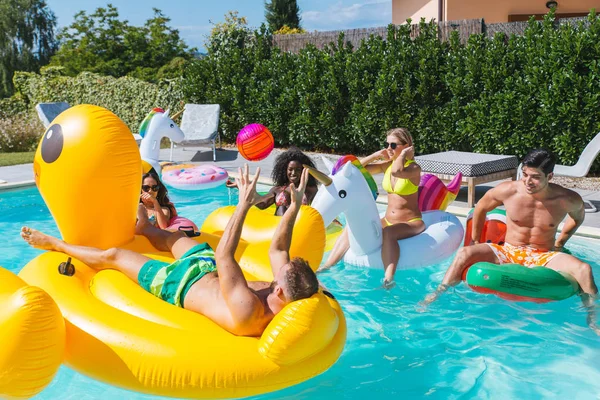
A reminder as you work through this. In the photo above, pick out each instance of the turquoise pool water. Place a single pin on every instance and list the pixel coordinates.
(466, 345)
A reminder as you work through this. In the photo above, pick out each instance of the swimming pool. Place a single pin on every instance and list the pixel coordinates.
(466, 345)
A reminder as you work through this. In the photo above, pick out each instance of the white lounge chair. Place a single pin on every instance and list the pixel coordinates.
(583, 165)
(581, 168)
(200, 124)
(48, 111)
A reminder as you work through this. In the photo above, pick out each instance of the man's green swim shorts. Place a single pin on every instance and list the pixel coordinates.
(171, 282)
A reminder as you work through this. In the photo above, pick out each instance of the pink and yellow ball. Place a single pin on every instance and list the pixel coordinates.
(255, 142)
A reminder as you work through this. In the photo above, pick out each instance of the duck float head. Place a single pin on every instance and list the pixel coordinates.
(88, 170)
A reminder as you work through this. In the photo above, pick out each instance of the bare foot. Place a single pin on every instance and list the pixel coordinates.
(431, 297)
(38, 239)
(388, 284)
(142, 220)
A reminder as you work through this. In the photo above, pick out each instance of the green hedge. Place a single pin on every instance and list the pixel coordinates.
(129, 98)
(500, 95)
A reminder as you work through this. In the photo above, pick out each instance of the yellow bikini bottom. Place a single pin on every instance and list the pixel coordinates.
(410, 220)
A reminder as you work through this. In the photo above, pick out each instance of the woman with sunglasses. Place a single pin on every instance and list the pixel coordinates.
(403, 218)
(155, 198)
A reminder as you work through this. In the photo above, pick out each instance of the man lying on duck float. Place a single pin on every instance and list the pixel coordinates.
(207, 282)
(534, 209)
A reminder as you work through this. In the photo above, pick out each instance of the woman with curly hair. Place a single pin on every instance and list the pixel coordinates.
(287, 170)
(155, 198)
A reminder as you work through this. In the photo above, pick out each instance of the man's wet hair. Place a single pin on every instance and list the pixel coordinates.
(301, 280)
(540, 158)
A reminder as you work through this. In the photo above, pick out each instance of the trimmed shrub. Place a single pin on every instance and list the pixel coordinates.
(495, 95)
(129, 98)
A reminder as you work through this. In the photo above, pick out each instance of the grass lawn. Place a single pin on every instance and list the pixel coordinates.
(16, 158)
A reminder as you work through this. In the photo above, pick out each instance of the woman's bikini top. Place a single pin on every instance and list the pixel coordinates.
(282, 199)
(170, 206)
(403, 186)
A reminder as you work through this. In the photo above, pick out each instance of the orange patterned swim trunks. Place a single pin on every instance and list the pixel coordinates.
(522, 255)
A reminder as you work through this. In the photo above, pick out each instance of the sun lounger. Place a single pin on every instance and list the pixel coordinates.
(476, 168)
(48, 111)
(200, 124)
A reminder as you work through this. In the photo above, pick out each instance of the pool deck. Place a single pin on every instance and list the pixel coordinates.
(22, 175)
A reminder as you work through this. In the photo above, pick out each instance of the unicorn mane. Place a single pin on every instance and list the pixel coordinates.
(146, 122)
(354, 161)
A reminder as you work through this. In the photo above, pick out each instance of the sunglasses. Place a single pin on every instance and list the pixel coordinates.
(392, 145)
(147, 188)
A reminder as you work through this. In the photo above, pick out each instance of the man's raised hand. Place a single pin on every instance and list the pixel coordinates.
(247, 187)
(296, 193)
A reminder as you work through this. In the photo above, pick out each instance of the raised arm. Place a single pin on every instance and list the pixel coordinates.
(279, 252)
(576, 215)
(162, 214)
(409, 172)
(241, 301)
(267, 200)
(376, 167)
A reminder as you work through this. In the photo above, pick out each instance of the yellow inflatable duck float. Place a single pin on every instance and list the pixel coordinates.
(32, 333)
(118, 333)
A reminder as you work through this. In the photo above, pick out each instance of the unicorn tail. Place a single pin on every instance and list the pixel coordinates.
(434, 195)
(454, 185)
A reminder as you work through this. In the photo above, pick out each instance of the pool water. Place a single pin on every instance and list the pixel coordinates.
(466, 345)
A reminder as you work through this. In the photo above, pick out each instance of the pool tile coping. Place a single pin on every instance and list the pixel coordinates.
(583, 231)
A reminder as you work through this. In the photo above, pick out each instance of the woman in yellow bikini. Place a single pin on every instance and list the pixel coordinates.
(402, 218)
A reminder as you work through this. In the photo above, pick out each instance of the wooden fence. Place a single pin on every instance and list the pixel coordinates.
(465, 28)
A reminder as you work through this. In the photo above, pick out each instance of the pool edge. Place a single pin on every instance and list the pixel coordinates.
(583, 231)
(16, 185)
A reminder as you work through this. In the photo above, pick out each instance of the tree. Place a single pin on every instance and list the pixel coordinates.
(102, 43)
(232, 33)
(27, 38)
(282, 12)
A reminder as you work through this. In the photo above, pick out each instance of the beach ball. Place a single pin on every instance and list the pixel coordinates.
(255, 142)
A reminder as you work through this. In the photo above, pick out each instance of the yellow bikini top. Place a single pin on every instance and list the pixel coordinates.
(403, 187)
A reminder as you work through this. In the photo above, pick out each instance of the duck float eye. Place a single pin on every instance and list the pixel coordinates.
(342, 194)
(52, 144)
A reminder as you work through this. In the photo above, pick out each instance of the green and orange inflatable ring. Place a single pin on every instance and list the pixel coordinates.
(513, 281)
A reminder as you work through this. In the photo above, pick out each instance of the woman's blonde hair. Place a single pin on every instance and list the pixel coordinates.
(402, 134)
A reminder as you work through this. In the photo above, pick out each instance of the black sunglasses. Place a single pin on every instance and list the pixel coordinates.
(392, 145)
(147, 188)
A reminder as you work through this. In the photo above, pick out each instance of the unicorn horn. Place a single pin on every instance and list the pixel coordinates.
(177, 114)
(318, 175)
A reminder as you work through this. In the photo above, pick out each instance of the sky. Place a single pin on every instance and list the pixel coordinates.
(193, 17)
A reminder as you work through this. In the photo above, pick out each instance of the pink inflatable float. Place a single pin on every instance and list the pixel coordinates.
(178, 223)
(195, 178)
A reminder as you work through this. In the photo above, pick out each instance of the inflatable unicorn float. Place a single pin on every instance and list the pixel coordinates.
(154, 127)
(350, 189)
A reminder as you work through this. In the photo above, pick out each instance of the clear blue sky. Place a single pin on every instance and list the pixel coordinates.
(192, 17)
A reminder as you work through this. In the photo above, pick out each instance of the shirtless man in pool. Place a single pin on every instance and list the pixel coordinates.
(534, 209)
(207, 282)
